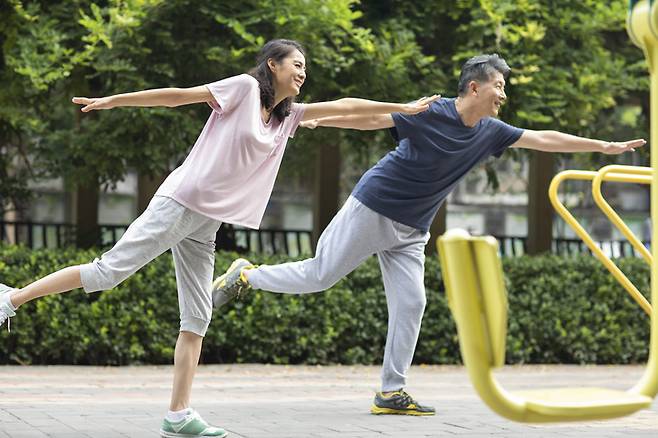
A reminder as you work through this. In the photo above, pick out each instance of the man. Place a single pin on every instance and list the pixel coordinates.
(391, 208)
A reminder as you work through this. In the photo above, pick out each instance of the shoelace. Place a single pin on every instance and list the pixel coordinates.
(407, 399)
(241, 284)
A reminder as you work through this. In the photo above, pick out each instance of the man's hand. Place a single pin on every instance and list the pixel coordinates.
(619, 147)
(310, 124)
(94, 103)
(420, 105)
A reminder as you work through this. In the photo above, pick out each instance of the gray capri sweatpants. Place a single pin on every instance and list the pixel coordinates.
(355, 234)
(165, 224)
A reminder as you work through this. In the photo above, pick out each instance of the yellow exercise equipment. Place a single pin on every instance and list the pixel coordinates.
(640, 175)
(473, 277)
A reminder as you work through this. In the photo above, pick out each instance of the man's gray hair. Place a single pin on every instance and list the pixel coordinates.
(481, 68)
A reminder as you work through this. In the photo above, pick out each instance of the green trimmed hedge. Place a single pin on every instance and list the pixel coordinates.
(562, 310)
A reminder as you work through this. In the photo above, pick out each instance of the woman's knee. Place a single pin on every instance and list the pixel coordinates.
(97, 276)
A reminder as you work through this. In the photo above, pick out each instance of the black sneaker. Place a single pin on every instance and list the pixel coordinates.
(398, 403)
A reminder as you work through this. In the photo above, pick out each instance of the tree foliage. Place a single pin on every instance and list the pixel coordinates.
(574, 69)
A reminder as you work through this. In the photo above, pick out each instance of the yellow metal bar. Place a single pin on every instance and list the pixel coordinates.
(641, 25)
(580, 231)
(644, 172)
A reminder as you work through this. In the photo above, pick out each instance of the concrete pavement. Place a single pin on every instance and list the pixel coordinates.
(258, 401)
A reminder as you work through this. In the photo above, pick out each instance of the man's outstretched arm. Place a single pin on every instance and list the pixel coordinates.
(554, 141)
(363, 123)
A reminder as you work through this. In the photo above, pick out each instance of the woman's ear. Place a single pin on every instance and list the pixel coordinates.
(271, 64)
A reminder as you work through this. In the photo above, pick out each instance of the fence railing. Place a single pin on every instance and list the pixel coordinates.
(268, 241)
(517, 245)
(57, 235)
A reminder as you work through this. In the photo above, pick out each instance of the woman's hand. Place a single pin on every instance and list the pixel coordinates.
(93, 103)
(420, 105)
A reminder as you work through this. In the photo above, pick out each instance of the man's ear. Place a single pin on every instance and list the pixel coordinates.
(473, 88)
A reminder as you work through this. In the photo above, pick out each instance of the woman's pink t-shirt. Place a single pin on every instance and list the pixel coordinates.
(229, 173)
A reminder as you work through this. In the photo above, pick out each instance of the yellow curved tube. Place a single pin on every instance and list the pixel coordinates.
(645, 174)
(580, 231)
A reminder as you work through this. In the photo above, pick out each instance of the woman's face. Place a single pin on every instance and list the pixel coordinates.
(289, 74)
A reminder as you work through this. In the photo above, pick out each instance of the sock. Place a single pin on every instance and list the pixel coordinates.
(176, 416)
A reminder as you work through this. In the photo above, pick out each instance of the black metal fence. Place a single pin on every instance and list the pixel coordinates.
(516, 246)
(268, 241)
(57, 235)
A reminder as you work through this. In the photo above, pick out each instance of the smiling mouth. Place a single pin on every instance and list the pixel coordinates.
(299, 84)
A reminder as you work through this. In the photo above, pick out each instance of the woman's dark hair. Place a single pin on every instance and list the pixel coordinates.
(276, 50)
(481, 69)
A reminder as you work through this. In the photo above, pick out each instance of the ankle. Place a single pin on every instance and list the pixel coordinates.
(177, 415)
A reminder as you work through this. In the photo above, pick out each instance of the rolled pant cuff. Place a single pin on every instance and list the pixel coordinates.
(195, 325)
(88, 276)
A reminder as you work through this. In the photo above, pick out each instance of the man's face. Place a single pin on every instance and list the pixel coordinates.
(491, 95)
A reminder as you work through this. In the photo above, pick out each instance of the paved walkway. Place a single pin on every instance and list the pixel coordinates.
(258, 401)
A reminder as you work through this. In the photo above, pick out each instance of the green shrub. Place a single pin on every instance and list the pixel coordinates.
(562, 310)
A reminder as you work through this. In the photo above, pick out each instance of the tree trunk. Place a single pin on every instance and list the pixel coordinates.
(146, 188)
(437, 228)
(86, 216)
(327, 188)
(540, 211)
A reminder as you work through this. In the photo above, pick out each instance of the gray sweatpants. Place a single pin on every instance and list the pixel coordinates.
(165, 224)
(353, 235)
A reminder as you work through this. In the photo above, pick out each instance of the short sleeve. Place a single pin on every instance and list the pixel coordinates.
(229, 92)
(294, 119)
(505, 135)
(405, 125)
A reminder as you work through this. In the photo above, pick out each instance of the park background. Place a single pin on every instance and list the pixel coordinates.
(71, 182)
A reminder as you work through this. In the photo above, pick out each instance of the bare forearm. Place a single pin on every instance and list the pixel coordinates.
(363, 123)
(354, 106)
(169, 97)
(554, 141)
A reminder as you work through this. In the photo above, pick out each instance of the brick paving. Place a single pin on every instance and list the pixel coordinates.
(258, 401)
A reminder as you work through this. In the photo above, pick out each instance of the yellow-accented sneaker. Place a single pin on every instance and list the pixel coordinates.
(398, 403)
(232, 284)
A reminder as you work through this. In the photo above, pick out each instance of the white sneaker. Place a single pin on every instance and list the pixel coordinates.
(7, 310)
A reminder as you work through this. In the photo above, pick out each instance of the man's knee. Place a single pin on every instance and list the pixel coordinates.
(415, 304)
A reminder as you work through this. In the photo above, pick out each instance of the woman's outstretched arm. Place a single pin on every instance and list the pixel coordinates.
(352, 106)
(168, 97)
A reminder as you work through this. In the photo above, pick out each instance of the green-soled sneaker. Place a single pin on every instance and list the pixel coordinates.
(192, 426)
(232, 284)
(398, 403)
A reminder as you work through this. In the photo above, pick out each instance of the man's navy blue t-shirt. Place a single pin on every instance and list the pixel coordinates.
(435, 151)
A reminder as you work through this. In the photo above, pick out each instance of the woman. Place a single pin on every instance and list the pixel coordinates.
(227, 177)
